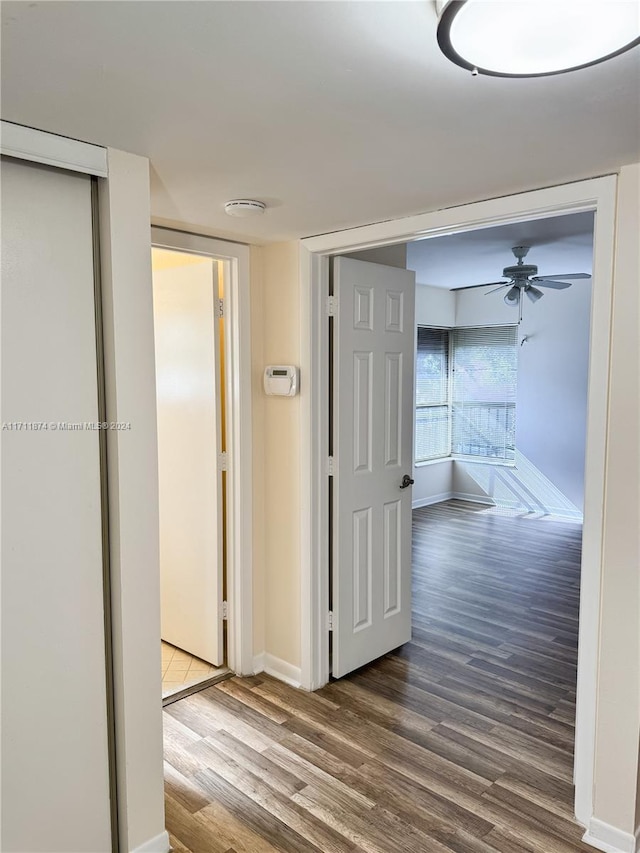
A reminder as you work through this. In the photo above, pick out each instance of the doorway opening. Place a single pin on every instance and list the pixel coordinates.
(203, 392)
(188, 292)
(598, 196)
(500, 418)
(499, 412)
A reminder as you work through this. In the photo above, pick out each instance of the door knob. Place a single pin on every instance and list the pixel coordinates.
(406, 482)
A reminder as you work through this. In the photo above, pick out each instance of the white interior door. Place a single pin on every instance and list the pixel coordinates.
(373, 367)
(185, 300)
(55, 762)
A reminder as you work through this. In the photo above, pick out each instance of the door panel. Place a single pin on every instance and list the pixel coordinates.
(373, 428)
(189, 443)
(55, 763)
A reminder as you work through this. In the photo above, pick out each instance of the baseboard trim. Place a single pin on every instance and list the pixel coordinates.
(551, 513)
(278, 668)
(434, 499)
(159, 844)
(472, 498)
(609, 838)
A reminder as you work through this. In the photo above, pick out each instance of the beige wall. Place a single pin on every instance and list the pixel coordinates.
(276, 332)
(257, 415)
(618, 713)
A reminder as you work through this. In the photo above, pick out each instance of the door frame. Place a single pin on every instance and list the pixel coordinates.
(598, 195)
(237, 342)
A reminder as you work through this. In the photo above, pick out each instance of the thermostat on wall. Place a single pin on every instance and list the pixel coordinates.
(281, 380)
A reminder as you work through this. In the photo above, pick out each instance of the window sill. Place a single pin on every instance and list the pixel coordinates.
(472, 460)
(480, 460)
(438, 461)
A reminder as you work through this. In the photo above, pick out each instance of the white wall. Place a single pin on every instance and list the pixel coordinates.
(551, 402)
(133, 500)
(55, 758)
(390, 256)
(435, 306)
(618, 719)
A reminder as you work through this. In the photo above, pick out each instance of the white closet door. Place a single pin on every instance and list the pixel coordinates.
(185, 300)
(373, 450)
(55, 779)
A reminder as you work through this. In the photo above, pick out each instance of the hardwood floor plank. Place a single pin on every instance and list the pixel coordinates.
(183, 790)
(191, 830)
(234, 831)
(242, 691)
(281, 820)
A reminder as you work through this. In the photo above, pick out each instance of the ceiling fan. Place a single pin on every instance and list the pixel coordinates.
(522, 278)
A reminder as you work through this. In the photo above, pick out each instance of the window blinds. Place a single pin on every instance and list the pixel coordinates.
(432, 394)
(484, 380)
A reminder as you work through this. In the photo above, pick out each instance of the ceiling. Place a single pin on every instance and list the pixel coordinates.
(335, 114)
(559, 244)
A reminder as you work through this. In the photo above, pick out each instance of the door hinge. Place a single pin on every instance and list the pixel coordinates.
(332, 306)
(220, 307)
(330, 620)
(331, 466)
(222, 461)
(225, 611)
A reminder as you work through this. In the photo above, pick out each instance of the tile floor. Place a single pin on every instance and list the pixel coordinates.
(180, 669)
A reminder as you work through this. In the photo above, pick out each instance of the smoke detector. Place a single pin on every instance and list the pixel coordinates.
(244, 207)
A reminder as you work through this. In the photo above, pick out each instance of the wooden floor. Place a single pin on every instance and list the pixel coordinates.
(461, 740)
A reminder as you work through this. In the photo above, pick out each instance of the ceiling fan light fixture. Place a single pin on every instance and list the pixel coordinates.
(533, 293)
(530, 38)
(512, 296)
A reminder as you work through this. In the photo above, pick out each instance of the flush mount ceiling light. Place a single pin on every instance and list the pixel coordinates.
(535, 38)
(244, 207)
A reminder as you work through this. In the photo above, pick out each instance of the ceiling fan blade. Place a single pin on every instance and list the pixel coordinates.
(561, 277)
(506, 284)
(484, 284)
(555, 285)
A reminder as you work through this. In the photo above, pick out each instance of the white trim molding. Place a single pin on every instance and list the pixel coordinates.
(26, 143)
(280, 669)
(485, 500)
(596, 194)
(432, 499)
(235, 258)
(314, 486)
(159, 844)
(609, 838)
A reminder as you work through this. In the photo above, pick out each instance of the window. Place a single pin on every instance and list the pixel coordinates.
(466, 393)
(484, 371)
(432, 395)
